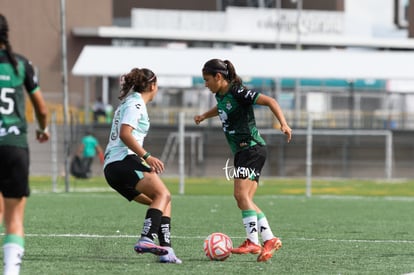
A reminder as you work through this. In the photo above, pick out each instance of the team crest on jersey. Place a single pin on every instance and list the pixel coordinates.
(228, 105)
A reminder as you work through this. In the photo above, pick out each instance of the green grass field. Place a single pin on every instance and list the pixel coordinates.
(346, 227)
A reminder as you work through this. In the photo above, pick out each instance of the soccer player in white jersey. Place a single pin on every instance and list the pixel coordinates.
(133, 171)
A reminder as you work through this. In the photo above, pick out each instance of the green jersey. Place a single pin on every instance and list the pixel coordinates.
(235, 109)
(13, 125)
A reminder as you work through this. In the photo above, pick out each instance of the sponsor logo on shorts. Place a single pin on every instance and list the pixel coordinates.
(240, 172)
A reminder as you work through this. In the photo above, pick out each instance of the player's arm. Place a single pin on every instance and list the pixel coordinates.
(277, 111)
(128, 139)
(210, 113)
(40, 108)
(36, 97)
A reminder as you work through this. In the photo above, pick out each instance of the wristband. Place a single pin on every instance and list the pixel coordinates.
(44, 131)
(146, 155)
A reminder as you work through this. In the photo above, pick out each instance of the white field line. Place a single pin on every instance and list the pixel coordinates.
(336, 197)
(97, 236)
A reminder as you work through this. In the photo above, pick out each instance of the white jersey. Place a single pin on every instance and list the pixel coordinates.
(133, 112)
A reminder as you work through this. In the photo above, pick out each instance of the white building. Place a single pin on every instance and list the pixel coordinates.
(348, 61)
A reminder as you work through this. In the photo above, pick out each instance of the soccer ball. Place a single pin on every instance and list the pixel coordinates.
(218, 246)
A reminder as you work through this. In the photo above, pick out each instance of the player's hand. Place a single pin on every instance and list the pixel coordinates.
(287, 131)
(42, 136)
(198, 119)
(156, 164)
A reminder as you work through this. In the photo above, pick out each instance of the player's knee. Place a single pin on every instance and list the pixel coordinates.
(164, 196)
(241, 199)
(167, 197)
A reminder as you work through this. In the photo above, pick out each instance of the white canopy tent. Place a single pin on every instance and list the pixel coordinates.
(187, 62)
(176, 67)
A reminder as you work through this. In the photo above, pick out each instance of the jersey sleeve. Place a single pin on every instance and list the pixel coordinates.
(245, 96)
(131, 115)
(30, 78)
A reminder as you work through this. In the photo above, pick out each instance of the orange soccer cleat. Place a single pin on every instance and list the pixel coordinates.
(269, 247)
(247, 247)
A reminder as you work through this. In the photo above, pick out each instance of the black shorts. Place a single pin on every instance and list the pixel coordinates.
(14, 172)
(124, 175)
(248, 163)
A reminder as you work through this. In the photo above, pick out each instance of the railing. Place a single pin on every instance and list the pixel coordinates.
(342, 119)
(75, 114)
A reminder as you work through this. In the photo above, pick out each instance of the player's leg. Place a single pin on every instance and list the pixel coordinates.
(254, 220)
(14, 215)
(263, 226)
(270, 242)
(152, 187)
(143, 199)
(13, 244)
(127, 178)
(242, 194)
(164, 236)
(15, 189)
(164, 232)
(262, 223)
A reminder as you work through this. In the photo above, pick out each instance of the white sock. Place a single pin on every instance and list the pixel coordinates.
(12, 258)
(250, 224)
(264, 229)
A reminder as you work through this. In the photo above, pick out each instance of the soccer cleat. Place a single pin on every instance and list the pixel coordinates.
(170, 258)
(247, 247)
(146, 245)
(269, 247)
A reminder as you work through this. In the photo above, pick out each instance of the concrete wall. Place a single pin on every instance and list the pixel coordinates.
(36, 33)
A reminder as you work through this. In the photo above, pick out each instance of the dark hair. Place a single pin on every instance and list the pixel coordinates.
(4, 39)
(137, 79)
(226, 68)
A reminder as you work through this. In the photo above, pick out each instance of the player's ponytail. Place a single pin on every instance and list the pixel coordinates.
(4, 39)
(137, 79)
(231, 74)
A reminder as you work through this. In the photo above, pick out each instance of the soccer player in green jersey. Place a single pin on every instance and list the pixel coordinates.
(16, 74)
(235, 109)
